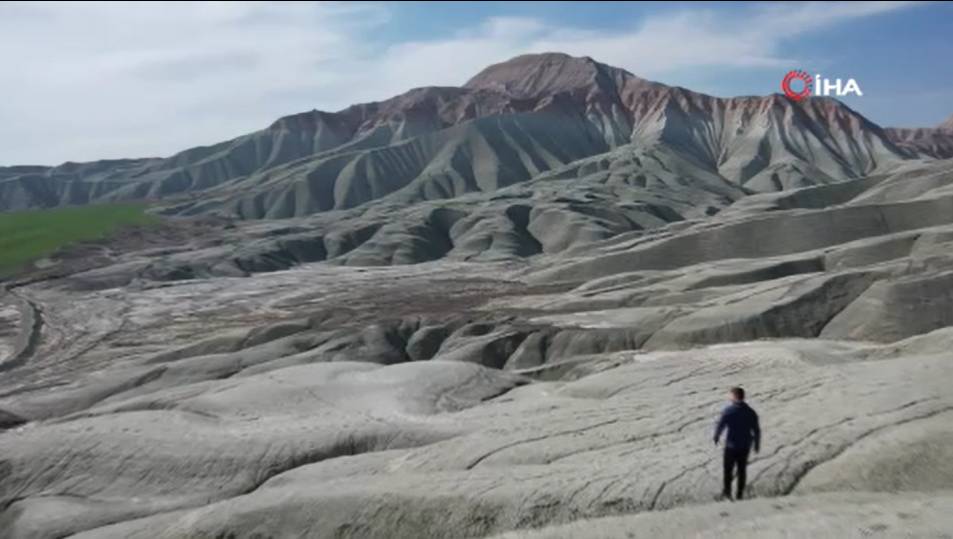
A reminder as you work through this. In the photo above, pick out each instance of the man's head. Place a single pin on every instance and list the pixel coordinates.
(737, 394)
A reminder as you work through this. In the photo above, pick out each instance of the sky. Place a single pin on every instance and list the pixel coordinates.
(87, 81)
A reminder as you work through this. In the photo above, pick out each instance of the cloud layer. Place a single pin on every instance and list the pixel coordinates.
(106, 80)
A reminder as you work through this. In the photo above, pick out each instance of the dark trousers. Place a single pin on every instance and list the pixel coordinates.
(735, 457)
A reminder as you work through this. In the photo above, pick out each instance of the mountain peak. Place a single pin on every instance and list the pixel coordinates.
(948, 124)
(531, 75)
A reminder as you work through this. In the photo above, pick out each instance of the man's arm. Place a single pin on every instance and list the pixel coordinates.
(756, 431)
(720, 427)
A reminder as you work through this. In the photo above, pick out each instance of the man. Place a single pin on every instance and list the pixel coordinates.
(743, 432)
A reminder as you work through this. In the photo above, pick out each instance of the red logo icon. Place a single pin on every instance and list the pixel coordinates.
(796, 95)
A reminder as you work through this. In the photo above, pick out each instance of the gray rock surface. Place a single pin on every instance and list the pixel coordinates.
(257, 420)
(268, 453)
(852, 515)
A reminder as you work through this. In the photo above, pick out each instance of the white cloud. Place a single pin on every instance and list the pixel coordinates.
(103, 80)
(109, 80)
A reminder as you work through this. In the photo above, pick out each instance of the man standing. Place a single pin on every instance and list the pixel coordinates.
(743, 431)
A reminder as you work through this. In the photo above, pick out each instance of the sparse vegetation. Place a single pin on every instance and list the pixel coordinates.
(31, 235)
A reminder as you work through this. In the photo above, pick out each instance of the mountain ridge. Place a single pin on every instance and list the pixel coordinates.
(765, 143)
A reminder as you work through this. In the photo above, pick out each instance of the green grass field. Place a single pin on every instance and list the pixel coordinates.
(31, 235)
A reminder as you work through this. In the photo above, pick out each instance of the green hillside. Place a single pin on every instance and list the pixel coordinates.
(30, 235)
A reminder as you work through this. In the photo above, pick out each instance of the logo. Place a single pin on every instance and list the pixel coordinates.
(788, 81)
(798, 85)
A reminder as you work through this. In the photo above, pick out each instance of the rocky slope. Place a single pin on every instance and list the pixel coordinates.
(329, 401)
(936, 142)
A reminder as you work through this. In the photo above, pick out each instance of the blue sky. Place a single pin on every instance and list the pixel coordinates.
(107, 80)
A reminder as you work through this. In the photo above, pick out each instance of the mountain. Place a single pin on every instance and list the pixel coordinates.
(508, 124)
(935, 142)
(512, 305)
(540, 154)
(765, 143)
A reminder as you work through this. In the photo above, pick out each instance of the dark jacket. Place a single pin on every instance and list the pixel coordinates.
(742, 424)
